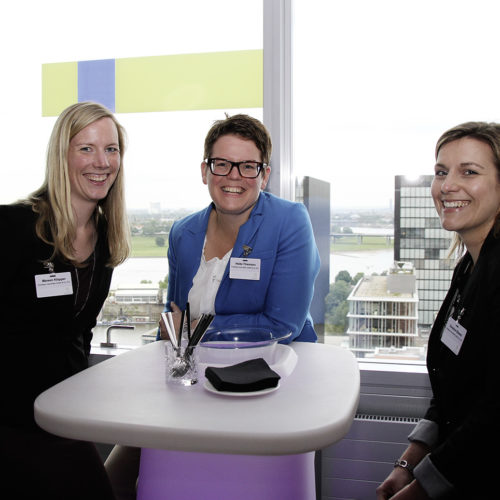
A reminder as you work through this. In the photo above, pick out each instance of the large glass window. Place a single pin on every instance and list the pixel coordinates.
(375, 84)
(165, 149)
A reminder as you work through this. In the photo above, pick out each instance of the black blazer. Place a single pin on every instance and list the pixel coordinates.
(466, 387)
(42, 340)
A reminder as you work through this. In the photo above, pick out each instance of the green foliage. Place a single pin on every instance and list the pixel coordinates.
(339, 291)
(339, 319)
(150, 227)
(357, 278)
(160, 241)
(163, 284)
(336, 305)
(343, 276)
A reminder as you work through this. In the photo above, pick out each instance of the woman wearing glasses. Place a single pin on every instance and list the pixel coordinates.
(207, 250)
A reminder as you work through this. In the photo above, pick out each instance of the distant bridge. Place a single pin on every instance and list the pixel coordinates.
(359, 236)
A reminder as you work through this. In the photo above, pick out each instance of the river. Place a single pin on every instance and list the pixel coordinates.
(134, 270)
(154, 269)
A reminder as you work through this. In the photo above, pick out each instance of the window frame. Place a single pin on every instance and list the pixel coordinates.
(390, 389)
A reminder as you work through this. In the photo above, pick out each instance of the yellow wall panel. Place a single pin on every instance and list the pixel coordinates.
(216, 80)
(59, 87)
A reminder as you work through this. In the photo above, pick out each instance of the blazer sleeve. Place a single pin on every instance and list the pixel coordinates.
(172, 271)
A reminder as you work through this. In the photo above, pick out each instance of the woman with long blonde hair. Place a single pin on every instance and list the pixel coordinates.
(60, 246)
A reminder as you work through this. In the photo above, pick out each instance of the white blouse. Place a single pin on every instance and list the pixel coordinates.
(206, 283)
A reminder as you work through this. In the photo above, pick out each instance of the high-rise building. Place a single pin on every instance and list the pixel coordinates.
(420, 239)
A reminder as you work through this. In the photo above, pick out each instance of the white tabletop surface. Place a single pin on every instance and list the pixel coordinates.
(125, 400)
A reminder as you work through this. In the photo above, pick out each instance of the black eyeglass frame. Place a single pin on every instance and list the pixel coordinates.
(260, 166)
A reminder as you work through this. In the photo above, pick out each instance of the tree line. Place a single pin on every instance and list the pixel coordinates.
(336, 304)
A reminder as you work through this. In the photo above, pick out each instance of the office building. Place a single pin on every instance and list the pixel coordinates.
(420, 239)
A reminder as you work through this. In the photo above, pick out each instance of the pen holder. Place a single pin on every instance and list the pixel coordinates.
(181, 364)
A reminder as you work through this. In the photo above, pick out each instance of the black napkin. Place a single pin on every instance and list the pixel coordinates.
(249, 376)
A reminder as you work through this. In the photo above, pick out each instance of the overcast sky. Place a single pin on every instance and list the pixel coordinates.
(375, 84)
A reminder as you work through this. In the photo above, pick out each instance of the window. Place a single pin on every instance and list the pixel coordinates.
(372, 94)
(165, 150)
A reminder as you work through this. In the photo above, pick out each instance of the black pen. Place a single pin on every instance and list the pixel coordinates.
(188, 314)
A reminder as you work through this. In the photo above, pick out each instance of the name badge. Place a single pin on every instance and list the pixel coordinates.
(53, 285)
(244, 269)
(453, 335)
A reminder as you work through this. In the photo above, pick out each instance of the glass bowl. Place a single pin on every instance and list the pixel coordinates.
(228, 346)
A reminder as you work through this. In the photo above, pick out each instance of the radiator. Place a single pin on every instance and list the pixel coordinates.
(354, 467)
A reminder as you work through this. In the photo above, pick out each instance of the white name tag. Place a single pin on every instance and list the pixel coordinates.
(453, 335)
(53, 285)
(244, 269)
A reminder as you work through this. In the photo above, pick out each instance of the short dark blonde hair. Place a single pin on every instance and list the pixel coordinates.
(244, 126)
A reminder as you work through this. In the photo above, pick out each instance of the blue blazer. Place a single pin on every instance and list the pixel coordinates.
(280, 234)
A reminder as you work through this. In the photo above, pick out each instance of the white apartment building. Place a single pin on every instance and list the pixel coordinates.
(383, 312)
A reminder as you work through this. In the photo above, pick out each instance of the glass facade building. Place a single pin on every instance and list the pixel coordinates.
(420, 239)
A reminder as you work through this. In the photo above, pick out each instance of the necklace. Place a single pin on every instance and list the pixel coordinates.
(89, 287)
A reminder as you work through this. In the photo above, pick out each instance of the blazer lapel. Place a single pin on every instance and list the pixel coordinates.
(192, 244)
(247, 234)
(246, 239)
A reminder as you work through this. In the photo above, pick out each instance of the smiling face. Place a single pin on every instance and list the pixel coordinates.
(466, 189)
(233, 194)
(93, 162)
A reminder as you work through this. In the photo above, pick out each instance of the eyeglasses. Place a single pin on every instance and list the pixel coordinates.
(223, 167)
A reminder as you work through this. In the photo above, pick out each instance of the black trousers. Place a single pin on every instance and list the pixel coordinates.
(36, 464)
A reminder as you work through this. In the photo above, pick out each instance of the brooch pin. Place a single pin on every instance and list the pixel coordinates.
(49, 266)
(247, 250)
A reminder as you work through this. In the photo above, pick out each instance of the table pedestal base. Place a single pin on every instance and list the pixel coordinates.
(179, 475)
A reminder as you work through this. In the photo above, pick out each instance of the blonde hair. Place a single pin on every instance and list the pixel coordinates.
(489, 133)
(52, 201)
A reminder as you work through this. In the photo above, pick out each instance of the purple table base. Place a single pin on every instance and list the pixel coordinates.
(179, 475)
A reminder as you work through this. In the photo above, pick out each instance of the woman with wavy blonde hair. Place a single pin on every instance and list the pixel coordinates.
(59, 250)
(489, 134)
(444, 455)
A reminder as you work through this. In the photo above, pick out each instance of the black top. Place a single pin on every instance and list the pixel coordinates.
(43, 340)
(466, 386)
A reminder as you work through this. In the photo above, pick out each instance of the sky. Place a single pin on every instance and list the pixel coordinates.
(375, 84)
